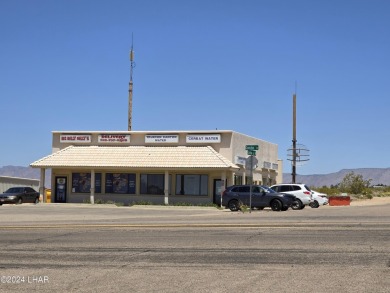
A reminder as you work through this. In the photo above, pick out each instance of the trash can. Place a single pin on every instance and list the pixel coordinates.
(48, 195)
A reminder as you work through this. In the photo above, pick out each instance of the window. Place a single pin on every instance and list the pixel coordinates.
(243, 189)
(81, 182)
(192, 184)
(256, 189)
(152, 183)
(237, 179)
(122, 183)
(284, 188)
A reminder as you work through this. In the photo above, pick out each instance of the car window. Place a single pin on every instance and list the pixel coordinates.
(235, 189)
(296, 187)
(244, 189)
(307, 187)
(29, 189)
(15, 190)
(267, 189)
(256, 189)
(284, 188)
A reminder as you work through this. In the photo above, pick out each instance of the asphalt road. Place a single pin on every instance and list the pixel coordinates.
(78, 248)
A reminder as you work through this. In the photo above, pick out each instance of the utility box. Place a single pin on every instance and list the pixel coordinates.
(339, 200)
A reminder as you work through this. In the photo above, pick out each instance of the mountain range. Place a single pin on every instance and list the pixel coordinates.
(377, 175)
(25, 172)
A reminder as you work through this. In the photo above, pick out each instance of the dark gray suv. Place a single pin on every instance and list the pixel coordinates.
(237, 195)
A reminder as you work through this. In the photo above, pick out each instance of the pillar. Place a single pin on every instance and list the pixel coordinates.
(223, 187)
(92, 197)
(42, 185)
(166, 188)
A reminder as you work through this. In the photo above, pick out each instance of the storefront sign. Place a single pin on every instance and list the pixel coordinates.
(203, 138)
(161, 138)
(267, 165)
(114, 138)
(72, 138)
(240, 160)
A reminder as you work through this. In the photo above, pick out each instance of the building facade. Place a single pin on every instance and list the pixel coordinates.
(160, 167)
(8, 182)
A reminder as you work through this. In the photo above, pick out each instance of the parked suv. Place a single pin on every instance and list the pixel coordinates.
(235, 196)
(301, 191)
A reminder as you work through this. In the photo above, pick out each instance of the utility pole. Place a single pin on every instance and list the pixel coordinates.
(294, 140)
(131, 86)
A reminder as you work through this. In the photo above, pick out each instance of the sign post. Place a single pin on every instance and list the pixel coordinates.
(251, 149)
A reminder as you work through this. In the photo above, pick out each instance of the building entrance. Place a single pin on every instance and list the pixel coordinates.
(218, 185)
(60, 189)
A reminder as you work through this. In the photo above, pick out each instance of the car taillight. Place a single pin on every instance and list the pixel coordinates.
(307, 192)
(224, 192)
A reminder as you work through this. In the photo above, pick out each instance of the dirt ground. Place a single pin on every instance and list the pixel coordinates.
(373, 201)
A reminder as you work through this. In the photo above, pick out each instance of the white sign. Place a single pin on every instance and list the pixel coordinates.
(114, 138)
(203, 138)
(161, 138)
(72, 138)
(240, 160)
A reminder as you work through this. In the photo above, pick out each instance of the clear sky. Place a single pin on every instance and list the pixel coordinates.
(200, 65)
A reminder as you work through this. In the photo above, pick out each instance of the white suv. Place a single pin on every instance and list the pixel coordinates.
(301, 191)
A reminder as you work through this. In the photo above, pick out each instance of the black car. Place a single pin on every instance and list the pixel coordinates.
(237, 195)
(18, 195)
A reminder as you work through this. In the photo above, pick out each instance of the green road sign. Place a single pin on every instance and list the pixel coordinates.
(251, 147)
(251, 153)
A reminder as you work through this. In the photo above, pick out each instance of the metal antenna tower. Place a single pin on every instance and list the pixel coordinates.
(132, 65)
(299, 154)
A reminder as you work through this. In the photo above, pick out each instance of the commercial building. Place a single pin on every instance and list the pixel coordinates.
(161, 167)
(8, 182)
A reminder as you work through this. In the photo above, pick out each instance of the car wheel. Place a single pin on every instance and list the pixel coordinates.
(20, 200)
(284, 209)
(234, 205)
(314, 204)
(297, 205)
(276, 205)
(36, 200)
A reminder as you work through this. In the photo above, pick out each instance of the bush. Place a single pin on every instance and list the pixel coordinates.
(354, 184)
(142, 203)
(333, 190)
(101, 201)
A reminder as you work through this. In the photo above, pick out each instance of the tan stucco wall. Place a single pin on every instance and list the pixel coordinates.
(232, 144)
(130, 198)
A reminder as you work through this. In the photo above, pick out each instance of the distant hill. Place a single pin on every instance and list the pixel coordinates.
(25, 172)
(378, 176)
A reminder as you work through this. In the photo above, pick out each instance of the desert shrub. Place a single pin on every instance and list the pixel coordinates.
(142, 202)
(327, 190)
(354, 184)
